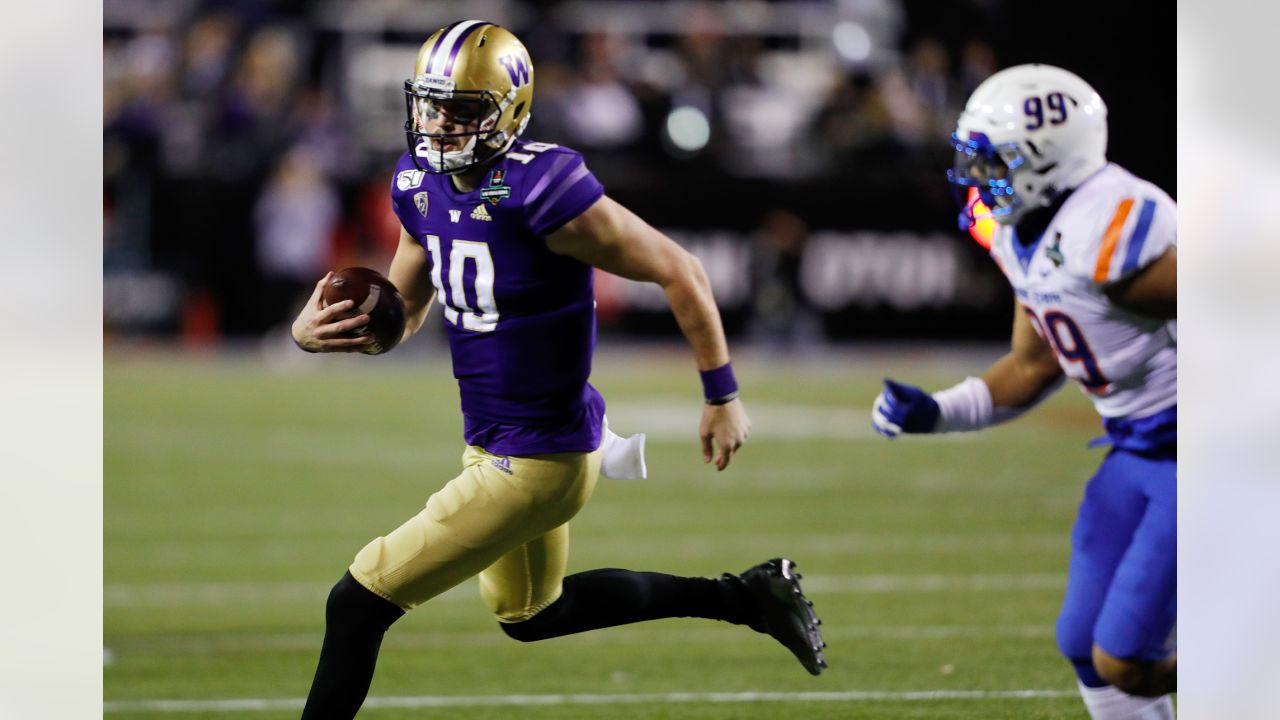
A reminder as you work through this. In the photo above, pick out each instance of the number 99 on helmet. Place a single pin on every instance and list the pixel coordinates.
(469, 97)
(1028, 134)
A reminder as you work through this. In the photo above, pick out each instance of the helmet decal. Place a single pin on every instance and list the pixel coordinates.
(517, 69)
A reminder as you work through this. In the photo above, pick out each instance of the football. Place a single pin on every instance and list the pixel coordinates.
(373, 294)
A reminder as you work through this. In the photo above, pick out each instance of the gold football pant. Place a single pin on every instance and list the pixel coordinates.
(505, 518)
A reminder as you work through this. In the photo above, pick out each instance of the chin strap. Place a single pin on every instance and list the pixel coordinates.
(450, 161)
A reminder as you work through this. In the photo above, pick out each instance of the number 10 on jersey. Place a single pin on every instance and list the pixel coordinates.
(483, 317)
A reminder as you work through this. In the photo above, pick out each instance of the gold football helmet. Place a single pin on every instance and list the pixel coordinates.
(469, 97)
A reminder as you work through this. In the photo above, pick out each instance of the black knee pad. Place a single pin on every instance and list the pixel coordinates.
(527, 631)
(351, 602)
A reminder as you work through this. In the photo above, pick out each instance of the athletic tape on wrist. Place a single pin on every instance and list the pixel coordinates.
(966, 406)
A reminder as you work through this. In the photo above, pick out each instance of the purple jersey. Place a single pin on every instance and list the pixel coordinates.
(520, 318)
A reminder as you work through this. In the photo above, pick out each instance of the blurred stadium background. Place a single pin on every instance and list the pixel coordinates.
(798, 148)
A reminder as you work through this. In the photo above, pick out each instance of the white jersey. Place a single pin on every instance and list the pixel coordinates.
(1113, 225)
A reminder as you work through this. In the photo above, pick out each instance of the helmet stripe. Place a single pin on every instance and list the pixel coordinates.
(448, 43)
(439, 41)
(448, 69)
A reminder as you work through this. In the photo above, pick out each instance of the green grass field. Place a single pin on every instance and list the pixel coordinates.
(236, 494)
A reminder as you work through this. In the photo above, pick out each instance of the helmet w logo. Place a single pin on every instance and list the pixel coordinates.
(517, 68)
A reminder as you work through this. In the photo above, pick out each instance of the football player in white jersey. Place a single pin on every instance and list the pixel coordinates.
(1091, 253)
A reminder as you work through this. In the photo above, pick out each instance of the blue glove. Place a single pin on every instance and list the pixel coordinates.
(903, 409)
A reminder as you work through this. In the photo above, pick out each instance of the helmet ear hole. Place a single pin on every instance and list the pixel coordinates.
(519, 109)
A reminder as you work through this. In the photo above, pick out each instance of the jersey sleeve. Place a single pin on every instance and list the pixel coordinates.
(1129, 233)
(406, 182)
(560, 188)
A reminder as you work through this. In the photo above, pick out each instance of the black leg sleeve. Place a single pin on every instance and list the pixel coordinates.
(609, 597)
(355, 620)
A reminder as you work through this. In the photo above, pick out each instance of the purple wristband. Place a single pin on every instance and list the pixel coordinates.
(718, 385)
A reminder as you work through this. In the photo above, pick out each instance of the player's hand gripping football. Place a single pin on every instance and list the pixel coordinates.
(724, 429)
(323, 329)
(903, 408)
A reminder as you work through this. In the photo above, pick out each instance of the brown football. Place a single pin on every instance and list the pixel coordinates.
(373, 294)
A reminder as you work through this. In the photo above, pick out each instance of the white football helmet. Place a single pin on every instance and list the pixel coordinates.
(1028, 134)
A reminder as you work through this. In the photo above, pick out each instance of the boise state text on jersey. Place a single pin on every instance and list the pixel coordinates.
(520, 318)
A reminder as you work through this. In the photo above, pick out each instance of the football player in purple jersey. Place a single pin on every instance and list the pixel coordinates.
(504, 233)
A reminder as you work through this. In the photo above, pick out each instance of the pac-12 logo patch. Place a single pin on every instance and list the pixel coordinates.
(420, 200)
(409, 179)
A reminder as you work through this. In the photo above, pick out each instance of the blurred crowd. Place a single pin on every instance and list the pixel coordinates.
(247, 144)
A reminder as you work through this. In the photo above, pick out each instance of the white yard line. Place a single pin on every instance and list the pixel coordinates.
(119, 595)
(685, 634)
(662, 419)
(863, 584)
(251, 704)
(236, 593)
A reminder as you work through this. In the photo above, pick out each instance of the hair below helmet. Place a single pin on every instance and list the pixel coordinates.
(1028, 134)
(476, 72)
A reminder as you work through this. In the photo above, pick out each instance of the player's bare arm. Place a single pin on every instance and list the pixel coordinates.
(411, 274)
(323, 329)
(614, 239)
(1152, 290)
(1027, 372)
